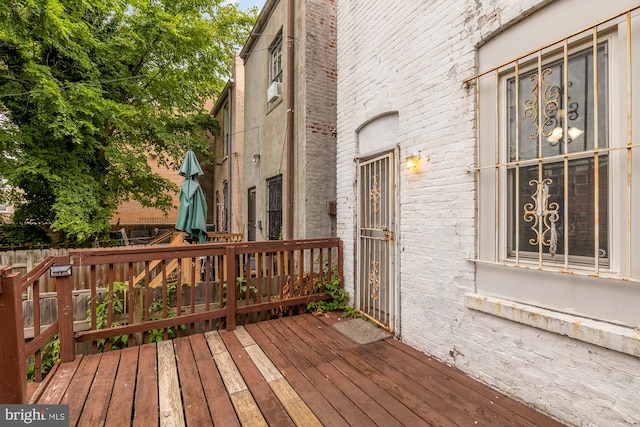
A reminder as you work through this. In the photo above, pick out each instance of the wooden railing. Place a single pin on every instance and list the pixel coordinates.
(217, 285)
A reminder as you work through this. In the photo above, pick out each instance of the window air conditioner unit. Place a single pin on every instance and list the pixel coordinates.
(274, 92)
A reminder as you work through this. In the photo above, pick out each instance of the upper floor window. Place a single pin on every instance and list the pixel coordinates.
(275, 60)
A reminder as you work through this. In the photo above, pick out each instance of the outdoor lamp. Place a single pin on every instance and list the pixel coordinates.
(412, 161)
(256, 157)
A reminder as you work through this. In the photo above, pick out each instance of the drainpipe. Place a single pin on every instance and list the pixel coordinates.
(288, 234)
(229, 157)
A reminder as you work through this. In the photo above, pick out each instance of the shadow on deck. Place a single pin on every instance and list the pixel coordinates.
(291, 371)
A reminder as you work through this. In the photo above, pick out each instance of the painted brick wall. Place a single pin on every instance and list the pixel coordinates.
(317, 110)
(412, 57)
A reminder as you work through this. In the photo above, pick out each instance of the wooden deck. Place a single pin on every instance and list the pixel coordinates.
(291, 371)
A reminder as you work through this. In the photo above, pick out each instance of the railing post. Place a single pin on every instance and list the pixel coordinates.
(64, 289)
(13, 369)
(231, 287)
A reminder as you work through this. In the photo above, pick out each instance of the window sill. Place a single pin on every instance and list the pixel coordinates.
(272, 105)
(614, 337)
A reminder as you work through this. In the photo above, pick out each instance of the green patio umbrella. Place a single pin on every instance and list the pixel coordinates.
(192, 215)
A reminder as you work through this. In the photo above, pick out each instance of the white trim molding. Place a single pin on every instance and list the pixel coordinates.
(620, 338)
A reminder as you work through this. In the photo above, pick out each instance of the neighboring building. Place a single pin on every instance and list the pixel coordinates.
(290, 116)
(133, 213)
(471, 226)
(226, 212)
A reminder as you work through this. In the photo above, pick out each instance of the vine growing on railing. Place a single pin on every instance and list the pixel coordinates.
(118, 303)
(102, 313)
(50, 356)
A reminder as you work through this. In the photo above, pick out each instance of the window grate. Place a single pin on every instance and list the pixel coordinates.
(274, 208)
(552, 168)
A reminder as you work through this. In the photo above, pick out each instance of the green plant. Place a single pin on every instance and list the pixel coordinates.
(253, 291)
(350, 311)
(339, 297)
(157, 335)
(50, 356)
(102, 315)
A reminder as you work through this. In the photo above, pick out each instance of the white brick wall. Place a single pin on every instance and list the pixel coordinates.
(412, 57)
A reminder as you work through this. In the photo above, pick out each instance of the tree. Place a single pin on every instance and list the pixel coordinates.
(90, 89)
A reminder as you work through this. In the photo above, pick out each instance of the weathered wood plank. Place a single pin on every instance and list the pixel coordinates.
(267, 401)
(432, 405)
(374, 410)
(76, 394)
(57, 387)
(246, 407)
(247, 410)
(312, 396)
(94, 412)
(171, 414)
(220, 406)
(196, 412)
(396, 408)
(290, 400)
(480, 393)
(36, 389)
(352, 414)
(120, 410)
(146, 398)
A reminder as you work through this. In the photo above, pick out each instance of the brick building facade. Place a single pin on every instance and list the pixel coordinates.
(431, 250)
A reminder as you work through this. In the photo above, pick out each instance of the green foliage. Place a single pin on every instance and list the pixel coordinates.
(102, 313)
(157, 335)
(339, 297)
(50, 356)
(350, 311)
(118, 306)
(23, 235)
(242, 291)
(90, 91)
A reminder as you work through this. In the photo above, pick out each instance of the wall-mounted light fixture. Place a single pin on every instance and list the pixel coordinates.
(412, 160)
(256, 158)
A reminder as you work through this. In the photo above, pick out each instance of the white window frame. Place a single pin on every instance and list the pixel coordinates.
(275, 60)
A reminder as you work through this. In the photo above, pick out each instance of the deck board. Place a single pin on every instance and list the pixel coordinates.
(120, 410)
(219, 402)
(197, 413)
(292, 371)
(352, 414)
(57, 387)
(94, 412)
(314, 399)
(146, 398)
(169, 397)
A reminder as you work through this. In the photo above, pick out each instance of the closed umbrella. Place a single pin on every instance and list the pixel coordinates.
(192, 215)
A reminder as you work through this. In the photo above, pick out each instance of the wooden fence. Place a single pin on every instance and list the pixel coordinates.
(178, 290)
(24, 260)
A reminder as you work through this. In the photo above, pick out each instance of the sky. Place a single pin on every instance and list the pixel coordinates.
(246, 4)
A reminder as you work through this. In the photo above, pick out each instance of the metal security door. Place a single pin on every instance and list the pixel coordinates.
(375, 295)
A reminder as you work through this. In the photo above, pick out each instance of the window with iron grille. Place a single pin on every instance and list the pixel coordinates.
(554, 119)
(274, 207)
(557, 167)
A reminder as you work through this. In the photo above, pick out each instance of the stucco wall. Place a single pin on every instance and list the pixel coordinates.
(314, 116)
(412, 57)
